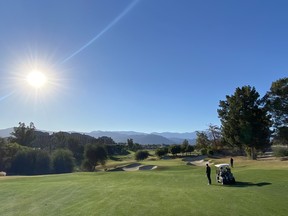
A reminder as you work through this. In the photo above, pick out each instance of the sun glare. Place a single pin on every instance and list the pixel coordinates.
(36, 79)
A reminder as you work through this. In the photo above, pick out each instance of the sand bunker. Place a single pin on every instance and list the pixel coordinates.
(197, 160)
(135, 167)
(200, 163)
(131, 167)
(147, 167)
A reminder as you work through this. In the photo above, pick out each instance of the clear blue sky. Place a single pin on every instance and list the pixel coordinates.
(147, 65)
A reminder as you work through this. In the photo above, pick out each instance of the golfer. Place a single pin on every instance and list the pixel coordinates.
(208, 173)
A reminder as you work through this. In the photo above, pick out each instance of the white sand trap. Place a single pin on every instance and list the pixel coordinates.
(138, 166)
(147, 167)
(131, 167)
(201, 163)
(194, 158)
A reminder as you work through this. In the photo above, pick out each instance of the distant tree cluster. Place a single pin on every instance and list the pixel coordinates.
(23, 135)
(133, 146)
(184, 149)
(32, 152)
(160, 152)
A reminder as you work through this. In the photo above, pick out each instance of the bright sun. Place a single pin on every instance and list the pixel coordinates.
(36, 79)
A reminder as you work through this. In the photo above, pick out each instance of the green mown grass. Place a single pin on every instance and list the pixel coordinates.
(172, 189)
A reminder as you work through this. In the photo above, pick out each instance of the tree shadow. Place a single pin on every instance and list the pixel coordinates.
(250, 184)
(115, 158)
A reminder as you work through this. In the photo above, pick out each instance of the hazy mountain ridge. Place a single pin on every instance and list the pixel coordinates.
(171, 135)
(146, 138)
(5, 132)
(138, 137)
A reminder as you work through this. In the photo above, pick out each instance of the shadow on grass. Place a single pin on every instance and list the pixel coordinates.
(115, 158)
(249, 184)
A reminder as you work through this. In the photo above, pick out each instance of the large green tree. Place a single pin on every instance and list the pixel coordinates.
(174, 149)
(60, 139)
(7, 154)
(23, 135)
(76, 148)
(63, 161)
(277, 104)
(184, 146)
(215, 135)
(94, 155)
(104, 140)
(202, 140)
(245, 122)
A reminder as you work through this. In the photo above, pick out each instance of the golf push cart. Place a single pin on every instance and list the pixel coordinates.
(224, 174)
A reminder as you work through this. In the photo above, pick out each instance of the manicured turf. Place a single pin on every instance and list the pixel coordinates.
(172, 189)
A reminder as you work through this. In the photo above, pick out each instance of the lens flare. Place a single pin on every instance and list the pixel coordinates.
(109, 26)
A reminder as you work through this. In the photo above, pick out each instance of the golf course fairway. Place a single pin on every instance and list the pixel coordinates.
(173, 188)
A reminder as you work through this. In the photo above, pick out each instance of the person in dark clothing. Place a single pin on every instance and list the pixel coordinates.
(231, 162)
(208, 173)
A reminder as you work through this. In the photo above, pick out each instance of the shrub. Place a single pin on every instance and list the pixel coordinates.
(31, 162)
(141, 155)
(87, 166)
(210, 152)
(94, 155)
(280, 151)
(175, 149)
(63, 161)
(8, 152)
(203, 151)
(161, 152)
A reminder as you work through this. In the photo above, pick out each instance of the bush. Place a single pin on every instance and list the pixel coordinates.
(280, 151)
(174, 149)
(8, 152)
(94, 155)
(210, 152)
(161, 152)
(203, 151)
(31, 162)
(63, 161)
(87, 166)
(141, 155)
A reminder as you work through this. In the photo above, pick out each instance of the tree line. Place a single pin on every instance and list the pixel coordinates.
(249, 124)
(31, 152)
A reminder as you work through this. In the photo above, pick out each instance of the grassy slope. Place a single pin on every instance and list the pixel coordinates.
(173, 189)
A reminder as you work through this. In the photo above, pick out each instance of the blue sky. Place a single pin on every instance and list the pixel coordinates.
(146, 65)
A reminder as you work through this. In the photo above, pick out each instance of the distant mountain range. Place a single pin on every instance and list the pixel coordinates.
(5, 132)
(146, 138)
(138, 137)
